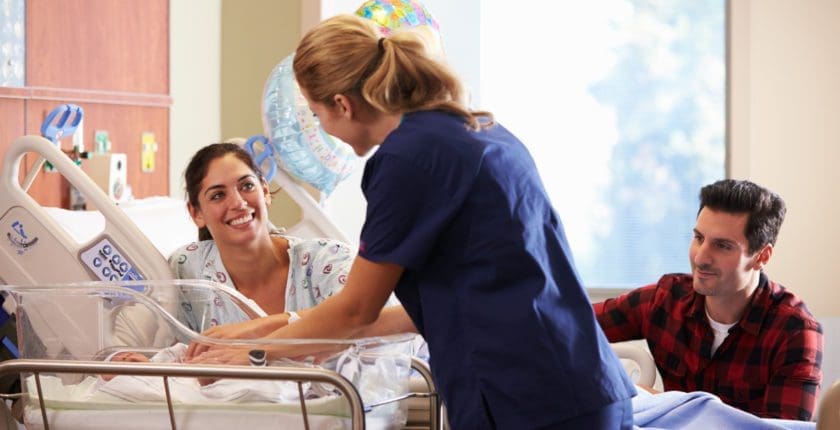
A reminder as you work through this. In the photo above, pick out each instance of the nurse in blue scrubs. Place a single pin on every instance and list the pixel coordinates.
(459, 225)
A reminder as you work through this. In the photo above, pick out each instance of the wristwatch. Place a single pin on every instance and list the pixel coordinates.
(257, 357)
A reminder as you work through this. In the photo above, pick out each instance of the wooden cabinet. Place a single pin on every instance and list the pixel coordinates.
(111, 57)
(104, 45)
(11, 121)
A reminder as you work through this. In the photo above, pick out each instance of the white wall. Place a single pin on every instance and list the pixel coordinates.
(256, 35)
(785, 134)
(194, 82)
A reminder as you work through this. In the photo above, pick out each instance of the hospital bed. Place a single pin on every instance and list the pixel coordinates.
(51, 246)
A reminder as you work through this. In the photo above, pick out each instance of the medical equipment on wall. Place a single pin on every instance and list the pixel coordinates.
(61, 122)
(108, 171)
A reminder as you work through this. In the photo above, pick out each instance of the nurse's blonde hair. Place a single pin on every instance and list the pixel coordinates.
(394, 74)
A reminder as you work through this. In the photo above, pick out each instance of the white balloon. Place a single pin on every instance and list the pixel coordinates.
(300, 145)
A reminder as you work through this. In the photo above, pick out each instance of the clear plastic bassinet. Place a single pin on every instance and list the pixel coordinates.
(75, 332)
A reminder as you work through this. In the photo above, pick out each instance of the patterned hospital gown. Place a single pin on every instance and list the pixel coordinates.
(317, 269)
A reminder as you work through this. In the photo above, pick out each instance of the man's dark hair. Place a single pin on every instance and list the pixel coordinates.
(765, 208)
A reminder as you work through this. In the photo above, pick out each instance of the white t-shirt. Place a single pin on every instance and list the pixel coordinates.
(721, 331)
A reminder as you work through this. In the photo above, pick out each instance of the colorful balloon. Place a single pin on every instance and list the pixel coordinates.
(299, 145)
(397, 15)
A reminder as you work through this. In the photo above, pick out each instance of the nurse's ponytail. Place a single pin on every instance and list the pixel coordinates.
(395, 74)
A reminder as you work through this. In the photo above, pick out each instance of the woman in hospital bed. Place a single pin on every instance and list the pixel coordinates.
(228, 199)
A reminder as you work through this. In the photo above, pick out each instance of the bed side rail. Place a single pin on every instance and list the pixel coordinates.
(30, 220)
(437, 412)
(166, 371)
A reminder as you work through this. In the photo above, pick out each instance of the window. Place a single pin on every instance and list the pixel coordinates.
(12, 43)
(622, 105)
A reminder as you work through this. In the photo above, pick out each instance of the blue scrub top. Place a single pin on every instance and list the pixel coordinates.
(489, 279)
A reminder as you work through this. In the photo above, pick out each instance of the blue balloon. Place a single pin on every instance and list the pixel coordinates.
(300, 146)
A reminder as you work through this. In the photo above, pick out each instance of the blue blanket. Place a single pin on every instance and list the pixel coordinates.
(701, 411)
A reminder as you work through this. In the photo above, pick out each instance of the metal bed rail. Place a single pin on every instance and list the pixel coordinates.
(436, 411)
(298, 375)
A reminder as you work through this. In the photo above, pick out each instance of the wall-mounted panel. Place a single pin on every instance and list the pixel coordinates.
(125, 126)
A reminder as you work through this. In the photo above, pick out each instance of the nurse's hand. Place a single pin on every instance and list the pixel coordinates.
(230, 355)
(253, 329)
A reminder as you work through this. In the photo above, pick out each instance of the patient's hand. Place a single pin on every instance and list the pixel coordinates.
(129, 357)
(256, 328)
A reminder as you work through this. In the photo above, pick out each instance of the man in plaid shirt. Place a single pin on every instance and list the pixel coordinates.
(726, 328)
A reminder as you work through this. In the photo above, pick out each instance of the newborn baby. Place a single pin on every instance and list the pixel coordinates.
(189, 390)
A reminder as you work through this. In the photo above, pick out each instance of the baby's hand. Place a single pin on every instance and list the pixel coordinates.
(130, 357)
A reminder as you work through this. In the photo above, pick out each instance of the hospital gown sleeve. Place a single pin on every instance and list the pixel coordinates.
(330, 265)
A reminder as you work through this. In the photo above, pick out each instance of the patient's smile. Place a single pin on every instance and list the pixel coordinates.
(241, 220)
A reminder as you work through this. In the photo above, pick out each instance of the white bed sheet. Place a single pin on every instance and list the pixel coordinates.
(164, 220)
(82, 406)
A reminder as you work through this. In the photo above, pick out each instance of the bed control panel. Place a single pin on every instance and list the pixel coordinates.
(106, 261)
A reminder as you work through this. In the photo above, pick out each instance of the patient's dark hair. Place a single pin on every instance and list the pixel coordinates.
(197, 170)
(765, 208)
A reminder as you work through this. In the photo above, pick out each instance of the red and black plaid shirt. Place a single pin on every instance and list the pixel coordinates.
(768, 365)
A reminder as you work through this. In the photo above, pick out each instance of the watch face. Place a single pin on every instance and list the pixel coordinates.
(257, 357)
